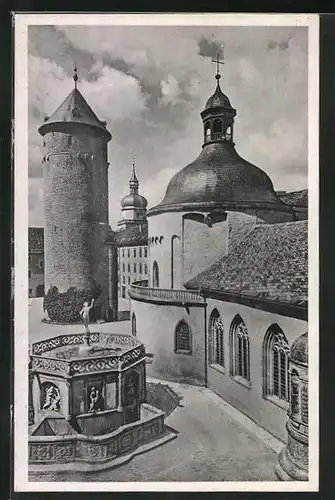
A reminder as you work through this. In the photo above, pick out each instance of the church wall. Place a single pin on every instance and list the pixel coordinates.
(250, 400)
(156, 329)
(165, 225)
(202, 245)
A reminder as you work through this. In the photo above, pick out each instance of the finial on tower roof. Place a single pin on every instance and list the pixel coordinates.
(218, 62)
(75, 76)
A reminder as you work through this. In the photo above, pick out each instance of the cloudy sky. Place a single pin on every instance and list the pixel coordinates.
(150, 84)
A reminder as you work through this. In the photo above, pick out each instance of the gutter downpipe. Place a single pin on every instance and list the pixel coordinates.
(205, 319)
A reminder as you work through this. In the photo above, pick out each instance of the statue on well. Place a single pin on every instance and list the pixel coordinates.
(97, 402)
(85, 314)
(52, 398)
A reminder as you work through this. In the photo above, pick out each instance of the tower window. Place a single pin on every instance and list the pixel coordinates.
(240, 349)
(155, 275)
(140, 250)
(216, 350)
(208, 131)
(135, 253)
(145, 252)
(183, 338)
(275, 363)
(217, 129)
(228, 134)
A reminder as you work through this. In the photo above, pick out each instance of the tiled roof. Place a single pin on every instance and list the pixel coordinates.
(270, 262)
(35, 239)
(133, 235)
(296, 198)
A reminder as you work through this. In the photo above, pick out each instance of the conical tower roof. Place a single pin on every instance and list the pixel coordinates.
(74, 109)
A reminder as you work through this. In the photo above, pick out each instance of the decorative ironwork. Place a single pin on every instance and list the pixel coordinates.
(94, 365)
(132, 356)
(49, 364)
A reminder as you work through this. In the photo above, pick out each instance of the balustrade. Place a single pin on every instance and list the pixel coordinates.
(139, 289)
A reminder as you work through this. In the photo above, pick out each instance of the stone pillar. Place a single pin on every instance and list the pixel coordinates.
(293, 459)
(31, 412)
(67, 403)
(113, 280)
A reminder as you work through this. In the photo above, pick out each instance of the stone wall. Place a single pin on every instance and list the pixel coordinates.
(250, 400)
(156, 326)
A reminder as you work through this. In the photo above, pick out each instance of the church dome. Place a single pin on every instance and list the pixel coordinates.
(134, 200)
(299, 349)
(218, 99)
(219, 178)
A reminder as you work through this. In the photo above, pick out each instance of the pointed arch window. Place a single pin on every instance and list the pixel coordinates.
(275, 364)
(240, 350)
(155, 275)
(133, 324)
(183, 338)
(216, 334)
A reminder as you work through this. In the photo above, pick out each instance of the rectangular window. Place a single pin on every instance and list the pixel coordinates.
(128, 268)
(140, 252)
(122, 252)
(134, 253)
(128, 252)
(145, 269)
(29, 273)
(123, 267)
(134, 268)
(140, 268)
(128, 280)
(145, 252)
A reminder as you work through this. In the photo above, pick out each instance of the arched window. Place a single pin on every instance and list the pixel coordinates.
(155, 275)
(275, 363)
(228, 134)
(216, 348)
(183, 338)
(217, 129)
(208, 131)
(240, 349)
(133, 324)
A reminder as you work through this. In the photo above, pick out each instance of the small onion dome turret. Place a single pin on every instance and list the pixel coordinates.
(299, 350)
(134, 199)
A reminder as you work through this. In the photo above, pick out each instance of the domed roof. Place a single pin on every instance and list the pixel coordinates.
(218, 99)
(134, 200)
(299, 349)
(219, 177)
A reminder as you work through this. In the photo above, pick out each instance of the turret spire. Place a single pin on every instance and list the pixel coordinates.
(133, 182)
(75, 76)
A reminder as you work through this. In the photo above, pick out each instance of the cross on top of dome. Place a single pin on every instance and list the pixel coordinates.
(218, 62)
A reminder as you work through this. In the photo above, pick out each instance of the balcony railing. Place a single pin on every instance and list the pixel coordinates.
(139, 290)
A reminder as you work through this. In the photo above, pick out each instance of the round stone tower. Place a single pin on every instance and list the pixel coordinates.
(293, 459)
(75, 196)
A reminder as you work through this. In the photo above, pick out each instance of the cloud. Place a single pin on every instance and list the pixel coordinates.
(171, 92)
(133, 77)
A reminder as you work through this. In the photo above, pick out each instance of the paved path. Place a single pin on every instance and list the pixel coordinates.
(211, 446)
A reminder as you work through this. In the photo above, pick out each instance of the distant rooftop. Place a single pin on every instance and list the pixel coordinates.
(295, 198)
(133, 235)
